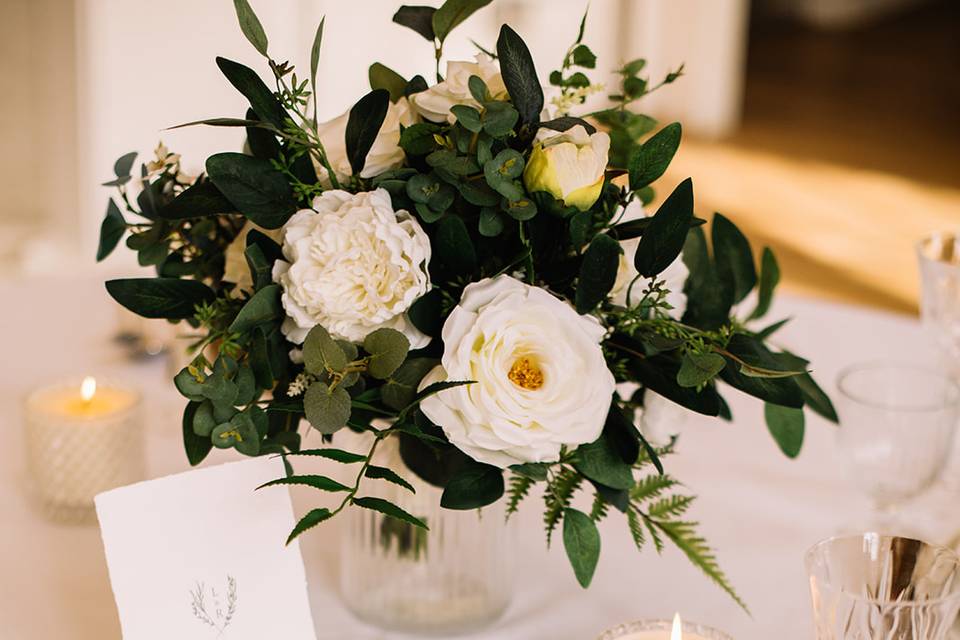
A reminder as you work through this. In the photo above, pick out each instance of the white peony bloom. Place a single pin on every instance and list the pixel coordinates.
(569, 165)
(675, 275)
(352, 265)
(541, 381)
(434, 103)
(384, 155)
(236, 269)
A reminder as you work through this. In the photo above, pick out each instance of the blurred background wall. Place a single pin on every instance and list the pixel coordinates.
(828, 129)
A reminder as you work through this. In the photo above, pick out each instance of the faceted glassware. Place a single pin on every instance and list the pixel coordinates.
(878, 587)
(455, 578)
(939, 257)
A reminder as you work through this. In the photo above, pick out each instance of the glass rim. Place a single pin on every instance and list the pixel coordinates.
(619, 631)
(808, 560)
(875, 365)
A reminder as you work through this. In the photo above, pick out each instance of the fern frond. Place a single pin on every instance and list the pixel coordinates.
(665, 450)
(636, 528)
(559, 493)
(651, 486)
(599, 509)
(518, 490)
(670, 507)
(685, 536)
(654, 534)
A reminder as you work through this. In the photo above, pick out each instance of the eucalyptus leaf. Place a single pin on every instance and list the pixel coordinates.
(786, 425)
(581, 540)
(363, 124)
(111, 230)
(124, 164)
(263, 307)
(400, 389)
(326, 409)
(598, 272)
(196, 447)
(170, 298)
(697, 369)
(387, 348)
(519, 75)
(473, 486)
(601, 461)
(201, 199)
(254, 187)
(321, 353)
(203, 420)
(250, 26)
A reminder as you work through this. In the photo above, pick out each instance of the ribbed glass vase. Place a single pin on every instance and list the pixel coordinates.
(455, 578)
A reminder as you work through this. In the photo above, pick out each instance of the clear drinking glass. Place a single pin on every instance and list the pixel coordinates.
(896, 433)
(939, 257)
(455, 578)
(877, 587)
(650, 629)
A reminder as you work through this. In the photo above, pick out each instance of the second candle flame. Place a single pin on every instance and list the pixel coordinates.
(88, 388)
(677, 633)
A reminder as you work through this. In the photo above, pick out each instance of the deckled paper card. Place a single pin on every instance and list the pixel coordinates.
(201, 555)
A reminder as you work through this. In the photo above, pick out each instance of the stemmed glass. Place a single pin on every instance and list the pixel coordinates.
(896, 433)
(939, 258)
(876, 587)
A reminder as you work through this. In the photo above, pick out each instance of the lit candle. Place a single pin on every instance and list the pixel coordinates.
(676, 629)
(82, 438)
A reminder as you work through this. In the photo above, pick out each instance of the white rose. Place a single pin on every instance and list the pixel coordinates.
(352, 265)
(541, 381)
(384, 155)
(675, 275)
(569, 165)
(434, 103)
(236, 269)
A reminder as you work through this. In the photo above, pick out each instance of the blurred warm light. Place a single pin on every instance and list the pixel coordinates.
(88, 388)
(677, 633)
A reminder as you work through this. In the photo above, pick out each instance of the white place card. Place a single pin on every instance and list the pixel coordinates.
(201, 555)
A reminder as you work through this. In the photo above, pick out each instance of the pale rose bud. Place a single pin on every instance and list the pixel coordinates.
(568, 165)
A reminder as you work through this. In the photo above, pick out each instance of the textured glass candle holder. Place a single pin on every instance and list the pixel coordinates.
(455, 578)
(877, 587)
(661, 630)
(73, 457)
(939, 258)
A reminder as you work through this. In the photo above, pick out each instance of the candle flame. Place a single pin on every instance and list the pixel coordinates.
(88, 388)
(677, 633)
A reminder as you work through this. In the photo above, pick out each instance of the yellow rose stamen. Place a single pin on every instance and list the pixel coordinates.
(526, 375)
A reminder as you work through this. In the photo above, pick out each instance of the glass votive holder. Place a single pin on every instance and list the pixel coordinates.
(662, 630)
(81, 439)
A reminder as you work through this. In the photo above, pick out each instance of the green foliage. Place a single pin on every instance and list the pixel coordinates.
(363, 124)
(517, 490)
(382, 473)
(582, 543)
(786, 425)
(262, 308)
(169, 298)
(309, 521)
(389, 509)
(250, 26)
(598, 272)
(697, 369)
(254, 187)
(327, 407)
(321, 483)
(262, 100)
(652, 158)
(734, 259)
(769, 278)
(519, 75)
(557, 497)
(388, 349)
(665, 236)
(474, 485)
(600, 461)
(420, 19)
(451, 13)
(383, 77)
(196, 447)
(111, 230)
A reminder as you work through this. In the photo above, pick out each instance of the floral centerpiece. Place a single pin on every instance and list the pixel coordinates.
(467, 268)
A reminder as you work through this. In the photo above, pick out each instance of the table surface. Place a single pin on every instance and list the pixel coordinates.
(759, 510)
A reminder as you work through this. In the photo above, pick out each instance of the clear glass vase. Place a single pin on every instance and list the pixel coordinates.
(455, 578)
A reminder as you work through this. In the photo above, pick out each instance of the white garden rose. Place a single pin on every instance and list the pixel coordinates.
(675, 275)
(352, 265)
(569, 165)
(541, 381)
(384, 155)
(434, 104)
(236, 269)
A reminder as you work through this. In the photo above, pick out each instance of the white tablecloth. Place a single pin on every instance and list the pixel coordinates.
(759, 510)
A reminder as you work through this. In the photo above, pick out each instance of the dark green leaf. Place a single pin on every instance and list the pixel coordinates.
(426, 313)
(250, 26)
(400, 388)
(416, 85)
(651, 160)
(418, 18)
(598, 272)
(478, 89)
(467, 116)
(309, 521)
(387, 348)
(781, 391)
(452, 246)
(451, 13)
(204, 421)
(111, 230)
(196, 447)
(584, 57)
(602, 462)
(263, 307)
(246, 81)
(124, 164)
(201, 199)
(519, 75)
(169, 298)
(337, 455)
(323, 483)
(321, 353)
(581, 540)
(665, 236)
(327, 410)
(315, 53)
(786, 425)
(363, 124)
(708, 302)
(815, 398)
(261, 269)
(733, 257)
(567, 122)
(699, 368)
(499, 119)
(659, 373)
(254, 187)
(622, 434)
(260, 359)
(490, 223)
(382, 473)
(389, 509)
(769, 278)
(475, 485)
(383, 77)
